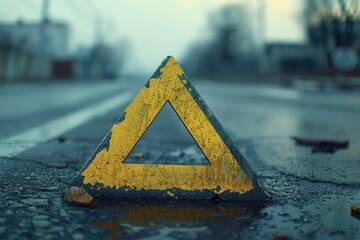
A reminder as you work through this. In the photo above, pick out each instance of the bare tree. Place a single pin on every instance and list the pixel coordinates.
(109, 58)
(229, 49)
(330, 23)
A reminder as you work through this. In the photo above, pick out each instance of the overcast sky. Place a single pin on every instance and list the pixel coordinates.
(156, 28)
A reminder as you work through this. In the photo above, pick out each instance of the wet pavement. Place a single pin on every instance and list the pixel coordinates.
(313, 192)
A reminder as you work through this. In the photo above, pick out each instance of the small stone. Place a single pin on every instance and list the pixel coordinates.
(78, 236)
(20, 188)
(63, 213)
(17, 205)
(41, 223)
(40, 217)
(58, 229)
(77, 195)
(35, 202)
(44, 196)
(53, 188)
(32, 209)
(9, 212)
(355, 209)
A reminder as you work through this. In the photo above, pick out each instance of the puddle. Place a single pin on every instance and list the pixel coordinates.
(154, 219)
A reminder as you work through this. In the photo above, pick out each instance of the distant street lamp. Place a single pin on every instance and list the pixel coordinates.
(42, 39)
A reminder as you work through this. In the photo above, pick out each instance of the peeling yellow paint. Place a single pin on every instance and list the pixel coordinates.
(108, 167)
(170, 193)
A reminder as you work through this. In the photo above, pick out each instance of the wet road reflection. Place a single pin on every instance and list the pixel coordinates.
(176, 219)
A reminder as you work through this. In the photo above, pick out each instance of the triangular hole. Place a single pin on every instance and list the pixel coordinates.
(167, 141)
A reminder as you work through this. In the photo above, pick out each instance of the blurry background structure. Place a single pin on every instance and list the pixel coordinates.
(222, 39)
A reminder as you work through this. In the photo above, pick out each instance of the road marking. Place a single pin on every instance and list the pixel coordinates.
(228, 174)
(30, 138)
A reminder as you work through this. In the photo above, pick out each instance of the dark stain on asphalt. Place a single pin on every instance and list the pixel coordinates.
(62, 139)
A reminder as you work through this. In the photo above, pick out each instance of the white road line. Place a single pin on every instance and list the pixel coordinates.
(40, 134)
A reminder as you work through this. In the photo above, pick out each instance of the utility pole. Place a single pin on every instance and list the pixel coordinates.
(98, 31)
(42, 48)
(261, 22)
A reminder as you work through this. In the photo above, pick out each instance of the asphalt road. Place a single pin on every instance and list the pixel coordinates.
(48, 131)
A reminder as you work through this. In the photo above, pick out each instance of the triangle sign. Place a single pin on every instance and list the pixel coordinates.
(228, 176)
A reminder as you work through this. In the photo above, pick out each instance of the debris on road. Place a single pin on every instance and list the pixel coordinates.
(62, 139)
(77, 195)
(281, 236)
(355, 210)
(322, 145)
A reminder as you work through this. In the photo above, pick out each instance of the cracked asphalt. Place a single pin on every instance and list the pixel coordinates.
(313, 192)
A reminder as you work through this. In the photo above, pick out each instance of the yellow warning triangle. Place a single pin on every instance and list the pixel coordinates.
(228, 176)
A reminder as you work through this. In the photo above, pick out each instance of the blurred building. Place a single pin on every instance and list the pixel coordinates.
(290, 58)
(20, 44)
(26, 36)
(332, 47)
(30, 52)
